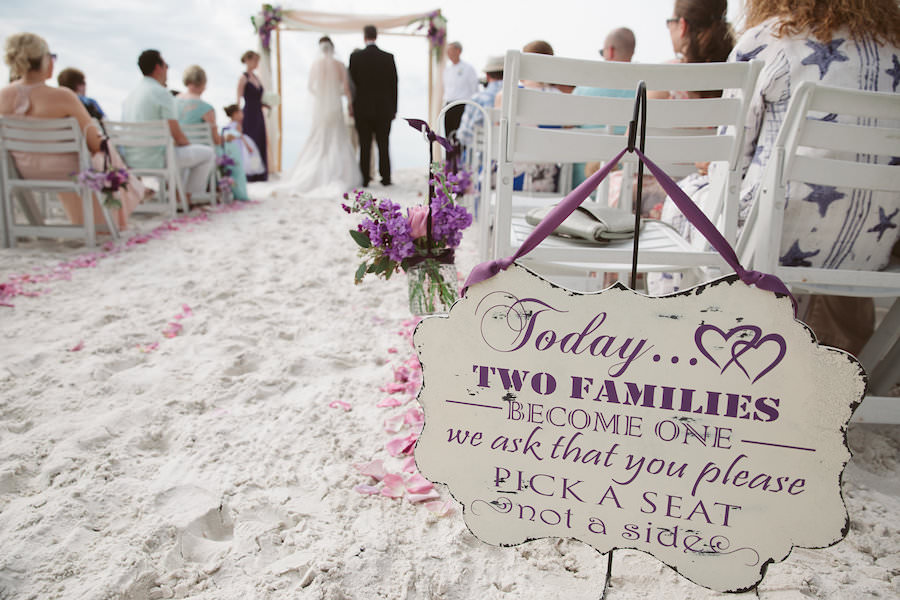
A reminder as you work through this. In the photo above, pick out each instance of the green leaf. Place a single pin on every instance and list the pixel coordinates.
(361, 238)
(360, 273)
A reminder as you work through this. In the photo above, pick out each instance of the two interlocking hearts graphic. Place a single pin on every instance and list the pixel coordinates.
(745, 338)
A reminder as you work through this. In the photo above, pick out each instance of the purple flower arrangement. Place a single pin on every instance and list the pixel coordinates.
(270, 18)
(105, 182)
(391, 239)
(436, 33)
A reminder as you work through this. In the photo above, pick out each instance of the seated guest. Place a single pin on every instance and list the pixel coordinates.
(190, 107)
(617, 47)
(31, 63)
(535, 177)
(241, 148)
(843, 43)
(74, 80)
(150, 101)
(472, 117)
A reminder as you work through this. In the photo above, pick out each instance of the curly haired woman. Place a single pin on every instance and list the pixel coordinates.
(843, 43)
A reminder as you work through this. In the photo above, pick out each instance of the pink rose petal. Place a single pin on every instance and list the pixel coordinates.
(417, 484)
(402, 445)
(340, 404)
(392, 351)
(366, 489)
(186, 310)
(440, 508)
(77, 346)
(393, 486)
(424, 497)
(393, 424)
(172, 329)
(374, 469)
(414, 417)
(409, 465)
(389, 402)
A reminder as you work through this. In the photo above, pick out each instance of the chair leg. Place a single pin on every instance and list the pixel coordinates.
(87, 202)
(110, 224)
(881, 355)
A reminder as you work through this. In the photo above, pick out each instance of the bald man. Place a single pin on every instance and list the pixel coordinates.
(619, 45)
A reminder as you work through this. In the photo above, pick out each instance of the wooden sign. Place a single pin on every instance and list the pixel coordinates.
(705, 428)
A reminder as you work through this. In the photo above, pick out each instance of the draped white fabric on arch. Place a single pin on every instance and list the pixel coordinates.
(305, 20)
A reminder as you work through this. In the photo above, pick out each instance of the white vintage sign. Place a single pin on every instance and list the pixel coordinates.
(705, 428)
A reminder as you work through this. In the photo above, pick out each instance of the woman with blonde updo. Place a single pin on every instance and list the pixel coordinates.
(29, 97)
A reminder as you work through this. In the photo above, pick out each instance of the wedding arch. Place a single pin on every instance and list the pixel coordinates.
(273, 19)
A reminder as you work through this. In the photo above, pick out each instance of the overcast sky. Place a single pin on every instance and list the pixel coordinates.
(103, 38)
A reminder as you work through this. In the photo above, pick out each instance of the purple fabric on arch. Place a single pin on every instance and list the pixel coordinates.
(763, 281)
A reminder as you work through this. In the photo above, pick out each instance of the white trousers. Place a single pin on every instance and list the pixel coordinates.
(196, 163)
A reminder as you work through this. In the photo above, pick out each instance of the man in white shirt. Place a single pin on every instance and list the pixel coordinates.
(151, 101)
(460, 83)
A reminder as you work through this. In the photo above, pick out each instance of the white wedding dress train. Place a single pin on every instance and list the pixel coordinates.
(327, 164)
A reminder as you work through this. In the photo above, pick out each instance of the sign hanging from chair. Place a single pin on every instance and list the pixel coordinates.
(705, 428)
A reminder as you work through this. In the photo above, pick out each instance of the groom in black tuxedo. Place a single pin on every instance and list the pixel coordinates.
(374, 75)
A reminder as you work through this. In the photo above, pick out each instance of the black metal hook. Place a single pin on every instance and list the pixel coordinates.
(640, 110)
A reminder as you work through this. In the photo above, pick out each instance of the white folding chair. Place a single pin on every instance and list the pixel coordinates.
(200, 133)
(680, 132)
(850, 149)
(151, 134)
(46, 136)
(479, 157)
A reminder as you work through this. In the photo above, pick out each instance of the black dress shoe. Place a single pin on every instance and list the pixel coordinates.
(365, 183)
(386, 183)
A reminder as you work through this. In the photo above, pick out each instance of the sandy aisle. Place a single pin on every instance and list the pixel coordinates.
(212, 466)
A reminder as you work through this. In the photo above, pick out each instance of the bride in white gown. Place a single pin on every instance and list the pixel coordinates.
(327, 163)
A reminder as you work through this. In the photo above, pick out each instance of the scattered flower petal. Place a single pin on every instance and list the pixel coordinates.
(402, 445)
(392, 351)
(440, 508)
(77, 346)
(374, 469)
(172, 329)
(364, 488)
(424, 497)
(340, 404)
(417, 484)
(389, 402)
(393, 424)
(409, 465)
(393, 486)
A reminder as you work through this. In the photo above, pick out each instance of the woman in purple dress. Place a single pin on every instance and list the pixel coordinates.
(251, 90)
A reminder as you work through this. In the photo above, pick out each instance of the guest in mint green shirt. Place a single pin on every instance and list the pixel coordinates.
(151, 101)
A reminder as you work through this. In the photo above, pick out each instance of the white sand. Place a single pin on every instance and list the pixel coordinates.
(213, 467)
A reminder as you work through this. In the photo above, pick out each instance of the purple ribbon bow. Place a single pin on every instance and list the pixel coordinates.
(420, 125)
(691, 211)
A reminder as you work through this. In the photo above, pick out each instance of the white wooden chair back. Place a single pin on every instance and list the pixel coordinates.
(201, 133)
(844, 138)
(680, 132)
(46, 136)
(151, 134)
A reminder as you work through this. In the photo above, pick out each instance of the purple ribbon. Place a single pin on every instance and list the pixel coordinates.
(691, 211)
(420, 125)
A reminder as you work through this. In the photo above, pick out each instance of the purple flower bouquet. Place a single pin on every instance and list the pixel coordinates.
(390, 240)
(106, 182)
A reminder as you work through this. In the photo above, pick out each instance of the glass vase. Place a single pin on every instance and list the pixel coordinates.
(432, 287)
